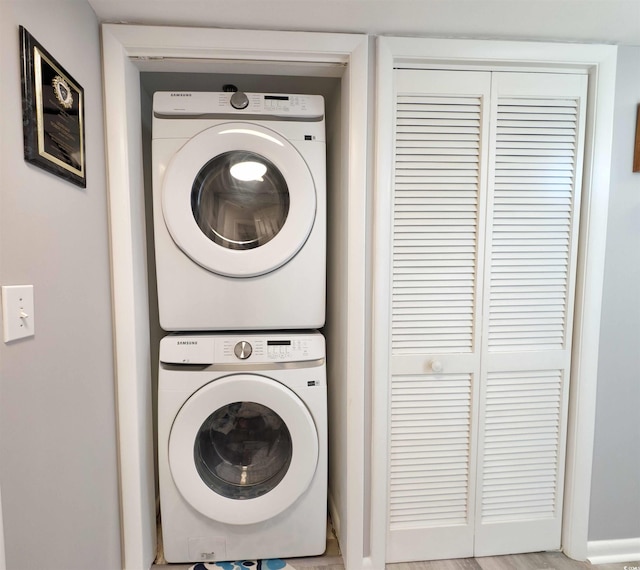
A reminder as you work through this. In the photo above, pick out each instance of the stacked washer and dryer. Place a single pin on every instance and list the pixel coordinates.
(239, 200)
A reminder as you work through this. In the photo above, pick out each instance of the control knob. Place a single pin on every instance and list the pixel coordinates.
(243, 350)
(239, 100)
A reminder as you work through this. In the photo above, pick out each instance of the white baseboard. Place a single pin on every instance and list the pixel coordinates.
(614, 551)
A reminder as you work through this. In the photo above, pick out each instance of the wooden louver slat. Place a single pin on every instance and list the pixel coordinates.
(521, 445)
(429, 453)
(435, 223)
(535, 168)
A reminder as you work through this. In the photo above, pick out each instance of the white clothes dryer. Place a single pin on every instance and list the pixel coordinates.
(242, 446)
(239, 201)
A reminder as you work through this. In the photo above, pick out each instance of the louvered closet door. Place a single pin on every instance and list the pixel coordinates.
(486, 198)
(440, 169)
(537, 124)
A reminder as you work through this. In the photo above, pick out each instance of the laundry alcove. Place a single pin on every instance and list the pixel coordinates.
(359, 246)
(139, 60)
(210, 79)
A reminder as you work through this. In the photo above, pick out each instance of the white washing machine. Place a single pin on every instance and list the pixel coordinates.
(239, 201)
(242, 446)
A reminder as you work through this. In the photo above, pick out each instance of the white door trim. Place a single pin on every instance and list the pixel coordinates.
(600, 63)
(127, 50)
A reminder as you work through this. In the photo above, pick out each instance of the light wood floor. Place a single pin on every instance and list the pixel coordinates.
(332, 560)
(537, 561)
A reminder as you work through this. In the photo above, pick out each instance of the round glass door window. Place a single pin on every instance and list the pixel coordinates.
(240, 200)
(243, 450)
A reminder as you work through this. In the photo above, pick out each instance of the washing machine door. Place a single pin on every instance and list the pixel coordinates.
(239, 199)
(242, 449)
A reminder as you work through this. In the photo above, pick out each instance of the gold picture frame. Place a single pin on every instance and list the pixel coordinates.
(52, 112)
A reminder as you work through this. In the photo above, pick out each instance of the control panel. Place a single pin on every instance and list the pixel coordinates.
(170, 104)
(241, 349)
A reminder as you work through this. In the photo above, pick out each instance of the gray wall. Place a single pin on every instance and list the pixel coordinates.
(58, 467)
(615, 490)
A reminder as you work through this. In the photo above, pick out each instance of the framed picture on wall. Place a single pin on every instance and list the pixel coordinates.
(53, 113)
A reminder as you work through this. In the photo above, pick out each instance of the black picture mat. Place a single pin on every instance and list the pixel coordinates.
(52, 113)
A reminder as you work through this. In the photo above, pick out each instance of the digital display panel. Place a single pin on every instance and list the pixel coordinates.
(278, 343)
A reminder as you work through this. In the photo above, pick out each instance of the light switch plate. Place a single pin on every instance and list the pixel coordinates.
(18, 320)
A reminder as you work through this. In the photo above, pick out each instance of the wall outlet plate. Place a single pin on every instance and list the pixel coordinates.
(18, 320)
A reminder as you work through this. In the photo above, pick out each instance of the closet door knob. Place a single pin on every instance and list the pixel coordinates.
(436, 366)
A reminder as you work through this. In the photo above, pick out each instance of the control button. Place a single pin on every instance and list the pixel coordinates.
(242, 350)
(239, 100)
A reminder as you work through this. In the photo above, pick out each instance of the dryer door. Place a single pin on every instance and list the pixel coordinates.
(242, 449)
(239, 199)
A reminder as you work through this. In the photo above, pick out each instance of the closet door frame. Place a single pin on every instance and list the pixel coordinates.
(599, 63)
